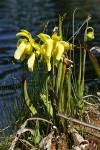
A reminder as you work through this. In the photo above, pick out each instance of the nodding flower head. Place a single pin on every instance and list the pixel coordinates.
(53, 47)
(90, 34)
(24, 47)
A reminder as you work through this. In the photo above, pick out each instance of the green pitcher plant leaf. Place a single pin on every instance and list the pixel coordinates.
(94, 63)
(27, 142)
(27, 100)
(47, 104)
(37, 136)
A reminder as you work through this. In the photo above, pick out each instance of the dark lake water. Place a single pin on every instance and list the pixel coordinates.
(32, 15)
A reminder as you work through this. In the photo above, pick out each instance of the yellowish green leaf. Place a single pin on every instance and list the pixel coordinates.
(28, 101)
(27, 142)
(37, 136)
(47, 104)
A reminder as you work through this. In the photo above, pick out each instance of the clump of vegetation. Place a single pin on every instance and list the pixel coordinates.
(60, 91)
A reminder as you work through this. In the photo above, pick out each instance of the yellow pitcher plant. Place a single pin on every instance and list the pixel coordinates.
(24, 47)
(51, 47)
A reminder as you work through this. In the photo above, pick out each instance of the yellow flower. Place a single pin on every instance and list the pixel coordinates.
(24, 47)
(89, 33)
(31, 61)
(53, 47)
(47, 50)
(27, 35)
(90, 36)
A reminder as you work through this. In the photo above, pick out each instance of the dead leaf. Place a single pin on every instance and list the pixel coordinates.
(94, 63)
(46, 142)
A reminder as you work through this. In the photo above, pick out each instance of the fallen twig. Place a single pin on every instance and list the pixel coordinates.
(94, 135)
(21, 130)
(92, 96)
(79, 142)
(79, 122)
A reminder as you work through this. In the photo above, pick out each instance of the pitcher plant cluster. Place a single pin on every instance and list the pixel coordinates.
(59, 95)
(52, 47)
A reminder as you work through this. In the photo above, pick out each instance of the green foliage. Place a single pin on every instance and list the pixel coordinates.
(37, 136)
(47, 104)
(57, 95)
(62, 89)
(28, 101)
(5, 143)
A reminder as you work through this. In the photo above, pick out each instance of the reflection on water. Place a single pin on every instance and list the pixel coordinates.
(16, 15)
(31, 15)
